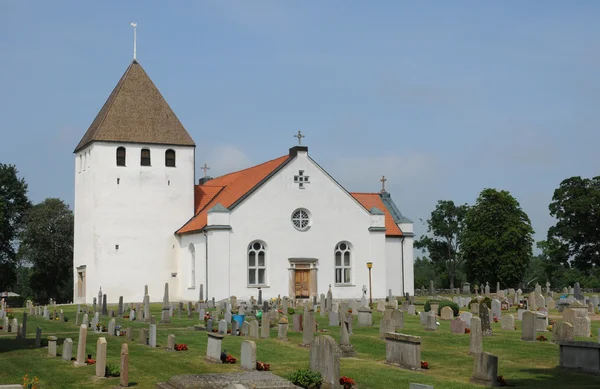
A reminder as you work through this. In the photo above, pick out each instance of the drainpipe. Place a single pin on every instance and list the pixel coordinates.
(206, 261)
(402, 266)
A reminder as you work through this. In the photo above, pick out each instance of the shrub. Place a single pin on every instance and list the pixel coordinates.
(291, 311)
(306, 379)
(113, 370)
(442, 304)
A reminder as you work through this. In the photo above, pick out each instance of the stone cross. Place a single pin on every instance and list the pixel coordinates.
(383, 180)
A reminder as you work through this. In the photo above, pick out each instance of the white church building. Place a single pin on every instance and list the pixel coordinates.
(284, 226)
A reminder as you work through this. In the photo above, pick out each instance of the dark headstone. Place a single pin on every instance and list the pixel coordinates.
(484, 315)
(260, 296)
(104, 310)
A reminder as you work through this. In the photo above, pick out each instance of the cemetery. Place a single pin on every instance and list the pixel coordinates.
(435, 341)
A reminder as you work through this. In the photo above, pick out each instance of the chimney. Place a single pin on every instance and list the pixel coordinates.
(204, 180)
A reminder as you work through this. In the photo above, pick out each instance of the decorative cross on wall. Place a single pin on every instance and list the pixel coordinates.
(205, 168)
(301, 179)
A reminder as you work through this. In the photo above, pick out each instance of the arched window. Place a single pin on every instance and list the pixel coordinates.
(120, 156)
(257, 263)
(192, 250)
(145, 157)
(342, 263)
(170, 158)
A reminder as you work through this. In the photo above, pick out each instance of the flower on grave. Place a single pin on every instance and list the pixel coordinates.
(33, 383)
(495, 319)
(90, 361)
(349, 310)
(501, 381)
(346, 382)
(424, 365)
(552, 322)
(261, 366)
(230, 359)
(549, 328)
(467, 330)
(181, 347)
(126, 317)
(541, 338)
(229, 331)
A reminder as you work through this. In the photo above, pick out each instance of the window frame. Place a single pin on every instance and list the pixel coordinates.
(308, 219)
(342, 267)
(124, 157)
(167, 159)
(142, 158)
(256, 267)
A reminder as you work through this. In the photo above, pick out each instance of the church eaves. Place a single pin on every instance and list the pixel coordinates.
(136, 112)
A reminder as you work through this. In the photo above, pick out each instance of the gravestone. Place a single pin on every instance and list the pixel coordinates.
(104, 308)
(507, 322)
(101, 357)
(166, 307)
(245, 329)
(147, 308)
(143, 336)
(265, 326)
(222, 327)
(431, 290)
(248, 355)
(577, 292)
(152, 336)
(334, 319)
(484, 315)
(457, 326)
(431, 324)
(385, 326)
(253, 329)
(446, 313)
(496, 309)
(52, 345)
(38, 337)
(324, 357)
(308, 328)
(213, 348)
(365, 317)
(476, 341)
(563, 332)
(67, 352)
(345, 346)
(282, 328)
(485, 369)
(466, 317)
(171, 342)
(398, 319)
(528, 326)
(403, 350)
(411, 309)
(81, 357)
(124, 371)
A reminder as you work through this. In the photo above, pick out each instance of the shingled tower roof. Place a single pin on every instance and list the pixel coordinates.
(136, 112)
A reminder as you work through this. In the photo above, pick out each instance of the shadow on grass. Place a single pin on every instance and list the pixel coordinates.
(7, 344)
(555, 378)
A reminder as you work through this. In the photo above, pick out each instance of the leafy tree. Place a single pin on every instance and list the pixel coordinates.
(445, 227)
(497, 239)
(13, 206)
(575, 237)
(424, 271)
(47, 243)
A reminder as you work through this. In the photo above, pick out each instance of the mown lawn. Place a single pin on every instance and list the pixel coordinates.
(523, 364)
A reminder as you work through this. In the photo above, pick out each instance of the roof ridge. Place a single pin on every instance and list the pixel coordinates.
(243, 170)
(109, 104)
(366, 193)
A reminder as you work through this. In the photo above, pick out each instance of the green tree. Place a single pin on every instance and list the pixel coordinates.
(424, 271)
(47, 244)
(497, 239)
(575, 237)
(445, 227)
(13, 206)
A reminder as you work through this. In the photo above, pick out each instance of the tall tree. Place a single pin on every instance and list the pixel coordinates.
(497, 239)
(445, 227)
(47, 244)
(575, 237)
(13, 206)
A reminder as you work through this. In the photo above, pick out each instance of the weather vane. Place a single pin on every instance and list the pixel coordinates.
(134, 25)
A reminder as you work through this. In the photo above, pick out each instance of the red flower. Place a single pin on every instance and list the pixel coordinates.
(90, 361)
(467, 330)
(230, 359)
(424, 365)
(347, 382)
(261, 366)
(181, 347)
(542, 338)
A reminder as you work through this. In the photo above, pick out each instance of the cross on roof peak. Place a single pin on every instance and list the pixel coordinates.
(299, 136)
(383, 180)
(205, 168)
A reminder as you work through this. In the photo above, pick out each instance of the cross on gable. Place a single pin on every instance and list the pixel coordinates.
(299, 136)
(301, 179)
(205, 168)
(383, 180)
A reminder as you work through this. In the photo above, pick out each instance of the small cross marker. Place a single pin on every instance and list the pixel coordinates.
(299, 136)
(301, 179)
(205, 168)
(383, 180)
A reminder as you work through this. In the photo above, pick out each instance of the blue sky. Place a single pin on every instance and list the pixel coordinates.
(444, 98)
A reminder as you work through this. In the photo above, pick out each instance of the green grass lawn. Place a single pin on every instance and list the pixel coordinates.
(523, 364)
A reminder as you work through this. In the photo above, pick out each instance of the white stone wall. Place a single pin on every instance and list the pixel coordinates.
(139, 213)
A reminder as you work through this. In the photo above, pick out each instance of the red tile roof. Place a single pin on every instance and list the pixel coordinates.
(370, 200)
(227, 190)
